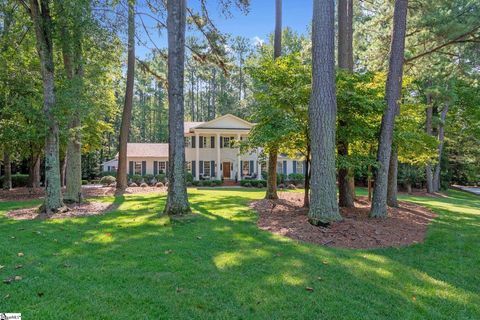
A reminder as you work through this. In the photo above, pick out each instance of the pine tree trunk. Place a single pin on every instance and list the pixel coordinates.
(441, 139)
(428, 130)
(7, 177)
(392, 96)
(128, 104)
(322, 113)
(272, 174)
(42, 22)
(346, 184)
(392, 179)
(177, 199)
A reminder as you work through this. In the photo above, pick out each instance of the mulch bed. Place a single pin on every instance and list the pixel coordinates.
(74, 211)
(404, 226)
(20, 194)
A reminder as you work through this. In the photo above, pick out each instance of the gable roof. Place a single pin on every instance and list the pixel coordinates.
(187, 125)
(228, 121)
(153, 150)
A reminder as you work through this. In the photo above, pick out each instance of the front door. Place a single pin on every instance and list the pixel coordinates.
(226, 170)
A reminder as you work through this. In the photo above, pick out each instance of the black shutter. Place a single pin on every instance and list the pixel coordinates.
(155, 168)
(130, 167)
(212, 168)
(294, 166)
(167, 168)
(212, 142)
(241, 168)
(194, 140)
(252, 166)
(304, 167)
(200, 143)
(201, 166)
(144, 168)
(285, 167)
(220, 142)
(194, 169)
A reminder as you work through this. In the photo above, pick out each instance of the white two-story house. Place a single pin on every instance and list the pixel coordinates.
(211, 152)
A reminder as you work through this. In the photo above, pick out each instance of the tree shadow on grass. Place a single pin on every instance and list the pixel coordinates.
(220, 265)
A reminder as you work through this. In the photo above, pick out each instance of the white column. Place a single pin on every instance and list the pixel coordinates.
(197, 157)
(217, 143)
(259, 165)
(239, 166)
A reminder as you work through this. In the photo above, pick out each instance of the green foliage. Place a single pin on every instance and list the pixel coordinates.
(136, 178)
(253, 183)
(18, 180)
(296, 178)
(108, 180)
(108, 173)
(162, 177)
(411, 175)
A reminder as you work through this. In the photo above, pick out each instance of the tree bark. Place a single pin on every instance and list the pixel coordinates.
(73, 65)
(273, 153)
(34, 171)
(428, 130)
(392, 188)
(392, 96)
(177, 199)
(40, 13)
(441, 139)
(272, 174)
(306, 196)
(322, 116)
(7, 177)
(346, 184)
(128, 103)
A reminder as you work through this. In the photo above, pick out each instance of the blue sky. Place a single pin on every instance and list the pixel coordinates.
(257, 24)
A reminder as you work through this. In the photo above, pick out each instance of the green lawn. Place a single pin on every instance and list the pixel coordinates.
(119, 266)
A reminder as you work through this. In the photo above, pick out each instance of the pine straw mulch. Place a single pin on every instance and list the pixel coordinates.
(74, 211)
(20, 194)
(404, 226)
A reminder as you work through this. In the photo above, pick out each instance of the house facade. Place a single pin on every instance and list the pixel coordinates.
(211, 152)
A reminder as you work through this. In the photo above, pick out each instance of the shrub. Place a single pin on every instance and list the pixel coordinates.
(136, 178)
(162, 177)
(217, 182)
(148, 178)
(206, 183)
(159, 185)
(281, 178)
(196, 183)
(291, 187)
(300, 185)
(281, 186)
(18, 180)
(248, 184)
(84, 182)
(133, 184)
(189, 184)
(189, 176)
(144, 185)
(108, 173)
(95, 181)
(296, 178)
(113, 185)
(108, 180)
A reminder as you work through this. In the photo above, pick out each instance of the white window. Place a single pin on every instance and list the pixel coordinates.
(188, 142)
(226, 142)
(246, 168)
(264, 166)
(188, 166)
(138, 168)
(279, 166)
(206, 142)
(300, 167)
(206, 168)
(162, 167)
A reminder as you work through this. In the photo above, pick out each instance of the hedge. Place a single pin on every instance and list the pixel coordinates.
(18, 180)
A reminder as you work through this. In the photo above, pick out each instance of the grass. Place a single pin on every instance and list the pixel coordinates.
(133, 263)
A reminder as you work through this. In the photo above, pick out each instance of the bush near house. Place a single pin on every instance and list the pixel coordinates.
(253, 183)
(161, 177)
(296, 178)
(108, 180)
(18, 180)
(207, 183)
(108, 173)
(136, 178)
